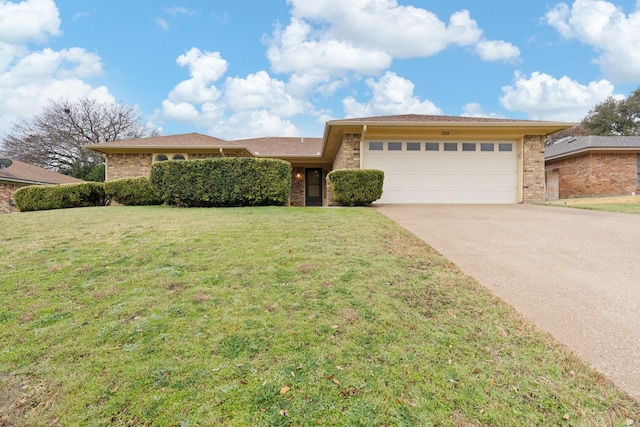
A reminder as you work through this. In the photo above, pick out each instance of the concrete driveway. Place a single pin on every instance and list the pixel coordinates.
(574, 273)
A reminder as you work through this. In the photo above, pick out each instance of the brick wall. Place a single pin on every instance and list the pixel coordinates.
(348, 154)
(6, 193)
(596, 174)
(128, 165)
(134, 165)
(297, 187)
(347, 157)
(533, 162)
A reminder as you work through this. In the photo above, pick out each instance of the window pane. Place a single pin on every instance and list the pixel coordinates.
(487, 146)
(395, 146)
(161, 158)
(433, 146)
(179, 157)
(506, 147)
(468, 146)
(413, 146)
(375, 146)
(450, 146)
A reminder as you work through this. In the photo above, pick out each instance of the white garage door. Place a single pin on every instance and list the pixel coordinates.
(445, 172)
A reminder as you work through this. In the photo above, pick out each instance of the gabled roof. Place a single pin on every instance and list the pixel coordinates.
(423, 119)
(283, 146)
(181, 141)
(30, 174)
(323, 150)
(574, 145)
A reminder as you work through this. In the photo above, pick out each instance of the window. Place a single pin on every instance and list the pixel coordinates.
(505, 147)
(450, 146)
(487, 146)
(468, 146)
(432, 146)
(375, 146)
(165, 157)
(395, 146)
(413, 146)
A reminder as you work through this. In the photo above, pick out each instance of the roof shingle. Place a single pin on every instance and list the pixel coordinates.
(186, 139)
(24, 172)
(574, 144)
(419, 118)
(283, 146)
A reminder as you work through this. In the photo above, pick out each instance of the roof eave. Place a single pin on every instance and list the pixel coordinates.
(110, 149)
(592, 149)
(26, 181)
(552, 127)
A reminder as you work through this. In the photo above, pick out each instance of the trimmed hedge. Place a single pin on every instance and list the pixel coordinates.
(356, 187)
(132, 192)
(44, 197)
(226, 181)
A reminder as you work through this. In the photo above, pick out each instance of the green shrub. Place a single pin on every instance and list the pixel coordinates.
(44, 197)
(356, 187)
(228, 181)
(132, 192)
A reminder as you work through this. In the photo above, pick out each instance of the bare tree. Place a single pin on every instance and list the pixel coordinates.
(53, 139)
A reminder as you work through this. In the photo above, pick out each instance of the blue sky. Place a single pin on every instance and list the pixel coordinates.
(244, 68)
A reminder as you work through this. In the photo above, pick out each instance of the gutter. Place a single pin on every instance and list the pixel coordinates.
(592, 149)
(156, 148)
(523, 123)
(26, 181)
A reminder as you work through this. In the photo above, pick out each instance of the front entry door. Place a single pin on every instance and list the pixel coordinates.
(313, 187)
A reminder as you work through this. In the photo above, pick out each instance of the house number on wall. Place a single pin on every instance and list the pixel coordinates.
(445, 133)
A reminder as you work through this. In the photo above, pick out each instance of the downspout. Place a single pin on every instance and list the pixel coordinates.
(362, 136)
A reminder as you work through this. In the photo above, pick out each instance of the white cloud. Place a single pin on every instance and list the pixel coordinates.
(391, 95)
(205, 69)
(294, 50)
(254, 123)
(328, 41)
(497, 50)
(163, 24)
(178, 10)
(605, 27)
(544, 97)
(29, 79)
(240, 107)
(473, 109)
(28, 21)
(401, 31)
(259, 92)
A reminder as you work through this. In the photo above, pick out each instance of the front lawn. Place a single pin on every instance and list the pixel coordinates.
(624, 204)
(266, 316)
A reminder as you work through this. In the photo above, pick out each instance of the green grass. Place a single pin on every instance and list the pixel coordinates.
(623, 204)
(266, 316)
(610, 207)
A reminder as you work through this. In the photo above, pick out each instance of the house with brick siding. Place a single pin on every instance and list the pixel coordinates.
(425, 158)
(585, 166)
(19, 174)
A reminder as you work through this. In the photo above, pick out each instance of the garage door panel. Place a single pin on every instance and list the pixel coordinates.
(446, 177)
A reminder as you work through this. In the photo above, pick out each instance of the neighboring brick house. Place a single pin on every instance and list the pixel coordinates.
(19, 174)
(426, 159)
(585, 166)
